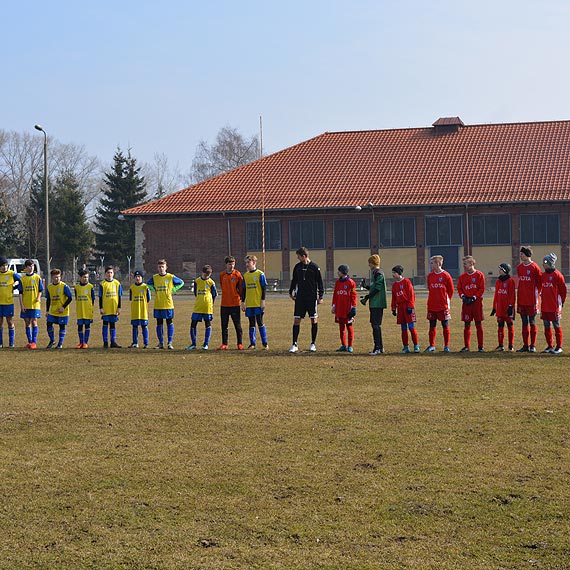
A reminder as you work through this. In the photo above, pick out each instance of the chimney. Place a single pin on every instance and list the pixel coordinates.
(447, 125)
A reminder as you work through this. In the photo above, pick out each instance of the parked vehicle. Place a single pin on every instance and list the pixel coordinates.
(17, 265)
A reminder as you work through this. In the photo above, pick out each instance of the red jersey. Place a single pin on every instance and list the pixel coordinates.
(344, 297)
(553, 292)
(403, 294)
(504, 297)
(529, 284)
(471, 284)
(231, 285)
(440, 291)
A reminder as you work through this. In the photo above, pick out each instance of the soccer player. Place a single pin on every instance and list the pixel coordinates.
(440, 291)
(139, 296)
(377, 297)
(528, 292)
(504, 306)
(231, 284)
(164, 285)
(307, 291)
(8, 280)
(30, 289)
(253, 300)
(58, 299)
(205, 292)
(110, 293)
(553, 295)
(344, 307)
(84, 301)
(471, 288)
(403, 308)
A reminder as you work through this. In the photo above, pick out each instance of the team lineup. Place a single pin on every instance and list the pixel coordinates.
(537, 292)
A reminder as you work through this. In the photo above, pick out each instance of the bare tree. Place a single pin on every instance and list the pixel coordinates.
(229, 151)
(161, 179)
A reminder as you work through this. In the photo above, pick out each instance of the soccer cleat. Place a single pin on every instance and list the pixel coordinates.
(416, 348)
(240, 347)
(1, 346)
(500, 348)
(59, 346)
(349, 349)
(32, 346)
(105, 345)
(548, 350)
(557, 350)
(375, 352)
(85, 345)
(446, 349)
(480, 349)
(115, 345)
(313, 347)
(170, 346)
(405, 350)
(191, 347)
(159, 346)
(205, 347)
(145, 346)
(11, 345)
(464, 349)
(532, 348)
(80, 345)
(430, 349)
(51, 344)
(223, 347)
(294, 348)
(266, 346)
(342, 349)
(133, 345)
(511, 348)
(251, 347)
(524, 349)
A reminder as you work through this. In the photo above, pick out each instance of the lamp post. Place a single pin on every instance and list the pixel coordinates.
(39, 128)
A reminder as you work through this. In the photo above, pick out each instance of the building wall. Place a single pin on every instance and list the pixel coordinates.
(356, 259)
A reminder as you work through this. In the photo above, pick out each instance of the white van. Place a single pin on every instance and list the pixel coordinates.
(17, 265)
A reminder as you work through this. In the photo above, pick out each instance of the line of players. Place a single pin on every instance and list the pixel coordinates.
(247, 293)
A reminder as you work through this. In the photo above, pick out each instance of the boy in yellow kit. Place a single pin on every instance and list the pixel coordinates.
(8, 279)
(84, 301)
(205, 293)
(58, 299)
(30, 288)
(139, 295)
(110, 293)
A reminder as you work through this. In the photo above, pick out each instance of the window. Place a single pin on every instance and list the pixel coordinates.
(272, 236)
(352, 234)
(540, 228)
(397, 232)
(491, 229)
(444, 230)
(310, 233)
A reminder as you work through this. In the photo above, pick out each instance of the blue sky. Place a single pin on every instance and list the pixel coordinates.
(159, 76)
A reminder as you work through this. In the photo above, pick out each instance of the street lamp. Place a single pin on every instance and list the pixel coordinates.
(39, 128)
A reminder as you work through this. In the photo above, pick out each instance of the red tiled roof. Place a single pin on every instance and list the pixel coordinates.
(499, 163)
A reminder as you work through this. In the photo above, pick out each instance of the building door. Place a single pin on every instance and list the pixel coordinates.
(450, 255)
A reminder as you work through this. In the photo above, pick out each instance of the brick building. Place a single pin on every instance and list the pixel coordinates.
(449, 189)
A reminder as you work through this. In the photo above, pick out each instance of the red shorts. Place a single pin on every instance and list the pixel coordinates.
(548, 316)
(473, 312)
(508, 320)
(439, 315)
(529, 310)
(403, 317)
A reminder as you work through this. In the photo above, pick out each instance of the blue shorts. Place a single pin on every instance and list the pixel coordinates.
(57, 320)
(139, 323)
(82, 322)
(199, 317)
(7, 310)
(253, 311)
(110, 318)
(163, 313)
(31, 314)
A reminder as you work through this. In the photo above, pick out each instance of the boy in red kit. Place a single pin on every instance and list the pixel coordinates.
(231, 284)
(504, 306)
(553, 295)
(471, 288)
(440, 291)
(403, 307)
(344, 307)
(528, 292)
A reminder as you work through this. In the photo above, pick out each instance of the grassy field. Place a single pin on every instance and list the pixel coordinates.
(208, 460)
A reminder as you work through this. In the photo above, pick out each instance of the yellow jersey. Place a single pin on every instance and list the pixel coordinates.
(84, 299)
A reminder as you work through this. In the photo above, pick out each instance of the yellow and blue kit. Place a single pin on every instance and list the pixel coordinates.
(84, 300)
(110, 293)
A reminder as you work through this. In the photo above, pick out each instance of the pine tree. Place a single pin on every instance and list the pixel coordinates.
(10, 232)
(125, 188)
(36, 219)
(71, 236)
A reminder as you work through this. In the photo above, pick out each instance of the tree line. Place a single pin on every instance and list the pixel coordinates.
(85, 199)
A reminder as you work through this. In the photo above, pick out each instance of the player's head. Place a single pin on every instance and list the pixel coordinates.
(302, 253)
(109, 273)
(468, 263)
(206, 271)
(3, 264)
(138, 277)
(397, 272)
(549, 261)
(162, 266)
(505, 269)
(250, 262)
(436, 262)
(55, 275)
(525, 253)
(343, 270)
(84, 276)
(374, 261)
(29, 266)
(230, 262)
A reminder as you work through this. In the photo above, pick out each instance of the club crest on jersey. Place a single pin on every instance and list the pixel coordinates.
(440, 279)
(528, 271)
(473, 280)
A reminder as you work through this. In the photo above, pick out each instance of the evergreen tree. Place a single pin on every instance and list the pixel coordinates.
(36, 219)
(125, 188)
(10, 232)
(72, 236)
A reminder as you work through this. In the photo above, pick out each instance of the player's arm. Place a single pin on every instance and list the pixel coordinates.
(67, 293)
(177, 283)
(214, 291)
(293, 285)
(320, 285)
(48, 301)
(150, 284)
